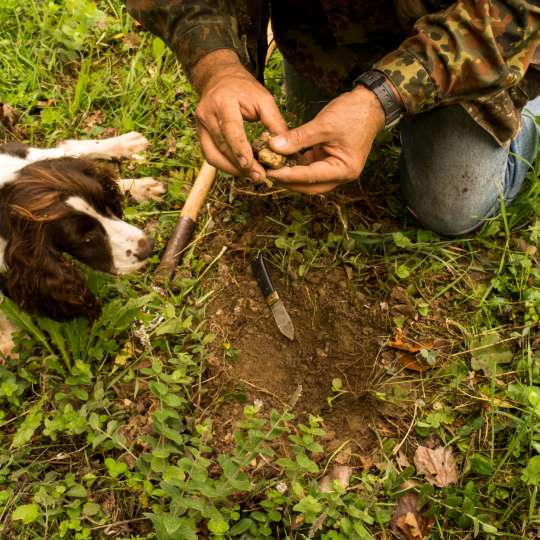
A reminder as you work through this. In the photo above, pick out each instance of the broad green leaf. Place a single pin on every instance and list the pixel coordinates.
(27, 513)
(241, 527)
(172, 326)
(401, 240)
(77, 491)
(403, 271)
(308, 505)
(171, 527)
(534, 398)
(158, 49)
(115, 468)
(306, 463)
(218, 526)
(531, 473)
(488, 528)
(28, 426)
(481, 464)
(487, 352)
(91, 509)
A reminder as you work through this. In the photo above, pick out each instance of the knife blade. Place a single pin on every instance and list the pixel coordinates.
(281, 317)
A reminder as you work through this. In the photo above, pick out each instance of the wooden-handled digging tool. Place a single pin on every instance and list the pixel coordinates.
(183, 231)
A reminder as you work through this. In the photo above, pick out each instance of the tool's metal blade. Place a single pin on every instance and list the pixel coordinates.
(282, 319)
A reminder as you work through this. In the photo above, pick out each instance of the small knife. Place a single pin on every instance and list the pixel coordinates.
(279, 312)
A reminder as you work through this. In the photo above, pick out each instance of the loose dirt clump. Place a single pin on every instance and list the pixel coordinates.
(335, 337)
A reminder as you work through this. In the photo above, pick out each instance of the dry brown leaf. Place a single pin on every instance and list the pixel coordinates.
(341, 473)
(403, 344)
(344, 456)
(131, 40)
(402, 460)
(438, 465)
(408, 522)
(8, 116)
(110, 132)
(94, 119)
(171, 145)
(367, 461)
(410, 361)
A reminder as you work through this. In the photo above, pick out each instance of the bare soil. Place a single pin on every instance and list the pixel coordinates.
(335, 337)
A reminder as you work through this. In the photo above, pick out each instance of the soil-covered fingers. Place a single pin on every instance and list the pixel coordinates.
(219, 154)
(329, 170)
(270, 116)
(233, 135)
(214, 155)
(231, 129)
(312, 189)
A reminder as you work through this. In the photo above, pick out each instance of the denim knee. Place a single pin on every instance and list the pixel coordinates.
(454, 175)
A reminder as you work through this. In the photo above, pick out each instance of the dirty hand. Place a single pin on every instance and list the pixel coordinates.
(230, 95)
(338, 140)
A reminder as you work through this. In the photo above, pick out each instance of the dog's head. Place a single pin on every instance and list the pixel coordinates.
(62, 206)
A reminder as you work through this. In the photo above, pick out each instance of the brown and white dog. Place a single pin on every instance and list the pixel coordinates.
(58, 202)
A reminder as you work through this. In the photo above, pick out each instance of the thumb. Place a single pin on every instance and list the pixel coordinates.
(298, 138)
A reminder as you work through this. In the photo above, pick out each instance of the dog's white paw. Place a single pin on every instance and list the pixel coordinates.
(123, 146)
(127, 146)
(143, 189)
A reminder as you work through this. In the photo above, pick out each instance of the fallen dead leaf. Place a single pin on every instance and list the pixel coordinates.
(438, 465)
(410, 361)
(171, 145)
(402, 460)
(341, 473)
(401, 343)
(8, 116)
(344, 456)
(95, 119)
(110, 132)
(367, 461)
(131, 40)
(408, 521)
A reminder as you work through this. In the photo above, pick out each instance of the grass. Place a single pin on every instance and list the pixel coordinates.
(108, 430)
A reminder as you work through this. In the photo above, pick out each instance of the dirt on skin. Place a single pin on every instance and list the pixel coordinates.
(336, 336)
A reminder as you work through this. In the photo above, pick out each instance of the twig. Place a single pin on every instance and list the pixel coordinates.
(397, 448)
(264, 391)
(266, 194)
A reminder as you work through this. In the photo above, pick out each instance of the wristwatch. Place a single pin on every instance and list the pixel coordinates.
(378, 84)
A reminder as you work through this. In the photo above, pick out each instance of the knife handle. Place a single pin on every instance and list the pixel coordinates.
(261, 275)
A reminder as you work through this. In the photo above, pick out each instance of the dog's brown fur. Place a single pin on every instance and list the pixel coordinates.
(40, 228)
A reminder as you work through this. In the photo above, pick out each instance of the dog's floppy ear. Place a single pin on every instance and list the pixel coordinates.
(104, 175)
(41, 280)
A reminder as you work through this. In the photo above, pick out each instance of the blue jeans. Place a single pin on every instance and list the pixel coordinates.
(453, 174)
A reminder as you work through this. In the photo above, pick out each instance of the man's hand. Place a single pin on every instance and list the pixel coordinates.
(338, 140)
(230, 95)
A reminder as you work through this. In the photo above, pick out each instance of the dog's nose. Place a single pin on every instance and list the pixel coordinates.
(144, 248)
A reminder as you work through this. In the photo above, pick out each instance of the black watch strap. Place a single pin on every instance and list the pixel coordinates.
(377, 83)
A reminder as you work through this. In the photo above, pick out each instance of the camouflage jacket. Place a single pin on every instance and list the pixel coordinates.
(479, 53)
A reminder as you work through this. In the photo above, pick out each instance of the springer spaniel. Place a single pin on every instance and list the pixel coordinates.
(58, 201)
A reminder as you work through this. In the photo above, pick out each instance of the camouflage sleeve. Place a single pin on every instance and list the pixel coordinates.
(471, 49)
(190, 28)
